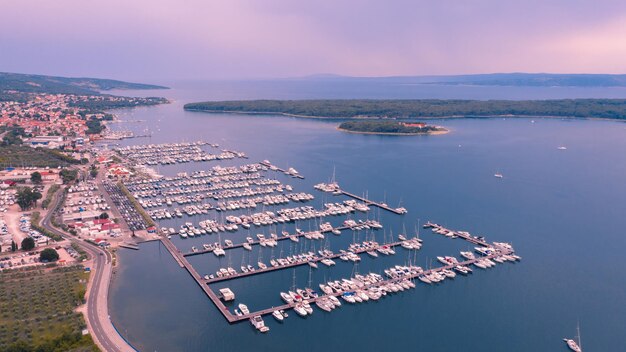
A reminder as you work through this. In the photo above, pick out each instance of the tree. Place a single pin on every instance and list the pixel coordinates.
(35, 177)
(27, 197)
(28, 243)
(103, 216)
(48, 255)
(13, 246)
(68, 175)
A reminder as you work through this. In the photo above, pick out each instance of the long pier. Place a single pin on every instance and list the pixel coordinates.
(383, 206)
(291, 265)
(182, 261)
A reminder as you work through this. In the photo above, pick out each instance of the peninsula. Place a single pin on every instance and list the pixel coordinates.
(422, 109)
(394, 128)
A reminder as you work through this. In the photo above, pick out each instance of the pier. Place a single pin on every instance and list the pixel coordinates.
(182, 261)
(235, 318)
(291, 265)
(399, 211)
(274, 167)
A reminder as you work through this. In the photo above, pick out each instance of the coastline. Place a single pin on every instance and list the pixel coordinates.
(434, 133)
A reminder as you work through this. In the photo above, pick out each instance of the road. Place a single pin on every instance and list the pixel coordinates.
(98, 321)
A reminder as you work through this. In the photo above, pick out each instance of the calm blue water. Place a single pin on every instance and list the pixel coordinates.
(564, 211)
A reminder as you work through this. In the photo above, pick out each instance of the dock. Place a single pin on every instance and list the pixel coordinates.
(399, 211)
(271, 166)
(291, 265)
(182, 261)
(130, 246)
(288, 306)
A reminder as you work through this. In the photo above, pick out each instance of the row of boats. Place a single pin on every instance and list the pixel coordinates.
(173, 153)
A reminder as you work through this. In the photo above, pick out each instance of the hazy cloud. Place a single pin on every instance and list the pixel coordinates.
(157, 39)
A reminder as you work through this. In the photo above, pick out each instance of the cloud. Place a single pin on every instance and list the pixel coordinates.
(279, 38)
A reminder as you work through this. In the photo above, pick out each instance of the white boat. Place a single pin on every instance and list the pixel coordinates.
(498, 175)
(573, 344)
(300, 310)
(259, 324)
(278, 315)
(562, 148)
(313, 265)
(243, 308)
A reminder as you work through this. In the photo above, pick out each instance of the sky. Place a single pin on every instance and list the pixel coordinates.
(239, 39)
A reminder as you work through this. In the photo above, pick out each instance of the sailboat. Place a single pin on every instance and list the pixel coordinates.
(572, 344)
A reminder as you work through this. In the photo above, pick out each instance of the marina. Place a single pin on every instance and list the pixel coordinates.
(357, 288)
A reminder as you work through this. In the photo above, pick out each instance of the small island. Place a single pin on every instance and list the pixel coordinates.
(394, 128)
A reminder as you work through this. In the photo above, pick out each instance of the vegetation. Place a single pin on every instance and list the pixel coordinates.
(27, 197)
(48, 255)
(347, 109)
(16, 155)
(28, 243)
(35, 177)
(94, 126)
(35, 217)
(12, 136)
(51, 191)
(68, 175)
(387, 127)
(37, 310)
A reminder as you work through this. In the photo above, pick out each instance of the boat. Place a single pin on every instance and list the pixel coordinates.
(562, 148)
(573, 344)
(300, 310)
(244, 308)
(286, 297)
(259, 324)
(278, 315)
(313, 265)
(498, 175)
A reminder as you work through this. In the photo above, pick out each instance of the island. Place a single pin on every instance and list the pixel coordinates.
(393, 128)
(420, 109)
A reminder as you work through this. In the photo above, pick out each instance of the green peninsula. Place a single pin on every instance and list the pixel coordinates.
(412, 109)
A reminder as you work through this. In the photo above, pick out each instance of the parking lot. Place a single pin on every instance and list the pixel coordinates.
(133, 219)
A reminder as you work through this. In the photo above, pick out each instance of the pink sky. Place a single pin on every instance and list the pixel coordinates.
(165, 39)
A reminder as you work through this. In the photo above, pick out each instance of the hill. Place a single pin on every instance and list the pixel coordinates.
(27, 83)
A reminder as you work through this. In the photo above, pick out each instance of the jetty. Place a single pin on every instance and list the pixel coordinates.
(399, 211)
(291, 265)
(276, 168)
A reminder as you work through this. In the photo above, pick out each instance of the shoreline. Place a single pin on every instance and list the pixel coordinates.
(433, 133)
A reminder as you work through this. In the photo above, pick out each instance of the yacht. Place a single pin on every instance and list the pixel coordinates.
(243, 308)
(278, 315)
(259, 324)
(498, 175)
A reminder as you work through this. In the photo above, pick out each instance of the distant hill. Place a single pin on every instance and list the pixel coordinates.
(51, 84)
(495, 79)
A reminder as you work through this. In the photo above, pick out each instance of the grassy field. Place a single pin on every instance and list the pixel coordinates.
(18, 156)
(37, 310)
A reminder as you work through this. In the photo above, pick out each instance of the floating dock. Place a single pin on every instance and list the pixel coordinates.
(291, 265)
(399, 211)
(271, 166)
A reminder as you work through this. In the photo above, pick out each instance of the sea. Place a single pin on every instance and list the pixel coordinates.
(564, 211)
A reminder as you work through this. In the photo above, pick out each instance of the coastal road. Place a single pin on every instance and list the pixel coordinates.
(98, 321)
